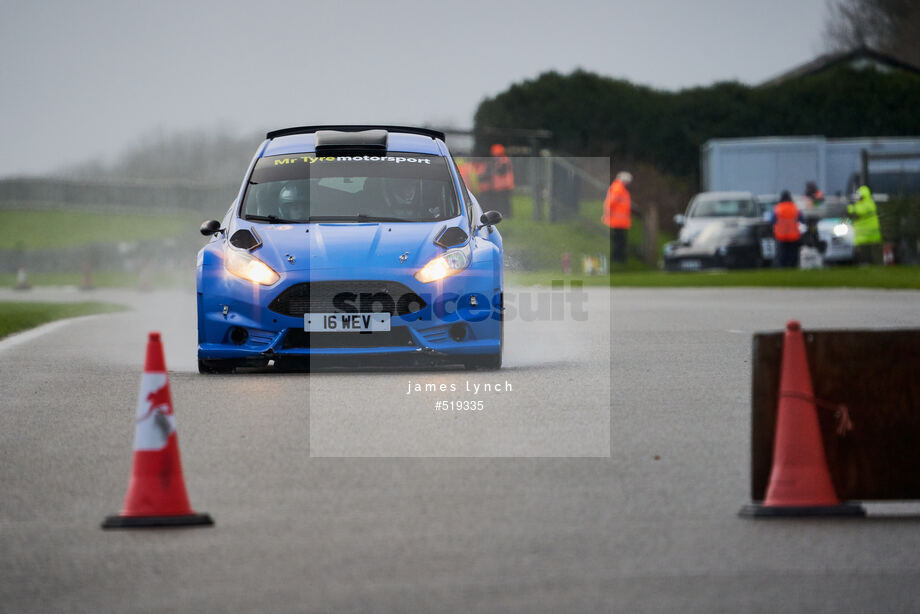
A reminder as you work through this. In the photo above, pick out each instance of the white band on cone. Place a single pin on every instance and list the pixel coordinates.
(155, 418)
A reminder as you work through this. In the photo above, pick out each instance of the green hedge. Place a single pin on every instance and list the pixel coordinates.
(592, 115)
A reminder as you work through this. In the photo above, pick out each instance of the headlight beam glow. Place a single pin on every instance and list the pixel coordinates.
(449, 263)
(250, 268)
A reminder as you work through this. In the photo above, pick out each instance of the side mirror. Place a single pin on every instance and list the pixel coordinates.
(490, 218)
(680, 219)
(210, 227)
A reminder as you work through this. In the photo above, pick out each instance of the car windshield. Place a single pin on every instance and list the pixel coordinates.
(729, 207)
(398, 187)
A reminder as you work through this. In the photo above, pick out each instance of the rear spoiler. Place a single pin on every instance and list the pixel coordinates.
(434, 134)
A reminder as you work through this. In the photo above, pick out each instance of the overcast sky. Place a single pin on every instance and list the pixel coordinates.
(84, 79)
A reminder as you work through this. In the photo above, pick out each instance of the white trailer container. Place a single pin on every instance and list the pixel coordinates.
(770, 165)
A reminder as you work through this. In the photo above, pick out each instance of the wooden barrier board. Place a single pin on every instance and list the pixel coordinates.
(877, 375)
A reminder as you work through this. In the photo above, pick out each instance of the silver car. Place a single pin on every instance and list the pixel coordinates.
(836, 231)
(720, 230)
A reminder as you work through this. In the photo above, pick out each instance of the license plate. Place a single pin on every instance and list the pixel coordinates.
(691, 265)
(346, 322)
(768, 248)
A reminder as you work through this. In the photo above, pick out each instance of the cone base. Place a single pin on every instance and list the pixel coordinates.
(757, 510)
(139, 522)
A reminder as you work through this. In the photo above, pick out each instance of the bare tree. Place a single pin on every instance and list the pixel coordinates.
(888, 26)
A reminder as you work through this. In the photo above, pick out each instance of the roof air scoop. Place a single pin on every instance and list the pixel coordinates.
(360, 142)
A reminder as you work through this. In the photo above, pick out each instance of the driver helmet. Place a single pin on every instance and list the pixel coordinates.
(402, 192)
(292, 201)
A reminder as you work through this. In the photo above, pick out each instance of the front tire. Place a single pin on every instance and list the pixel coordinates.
(489, 362)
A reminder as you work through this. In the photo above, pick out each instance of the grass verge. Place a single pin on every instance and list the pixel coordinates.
(896, 277)
(541, 244)
(15, 316)
(27, 229)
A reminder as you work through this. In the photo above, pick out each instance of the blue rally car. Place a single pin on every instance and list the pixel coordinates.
(351, 241)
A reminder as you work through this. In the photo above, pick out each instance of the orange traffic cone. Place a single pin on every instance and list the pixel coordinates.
(800, 483)
(156, 494)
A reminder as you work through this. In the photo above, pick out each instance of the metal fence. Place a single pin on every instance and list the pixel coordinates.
(899, 219)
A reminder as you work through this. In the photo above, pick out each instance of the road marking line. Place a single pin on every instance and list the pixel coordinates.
(25, 336)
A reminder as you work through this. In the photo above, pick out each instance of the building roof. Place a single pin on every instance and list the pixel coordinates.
(860, 57)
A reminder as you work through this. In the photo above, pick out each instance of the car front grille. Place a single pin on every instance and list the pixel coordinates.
(347, 296)
(297, 338)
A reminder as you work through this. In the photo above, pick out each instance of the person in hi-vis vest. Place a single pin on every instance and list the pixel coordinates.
(501, 180)
(618, 215)
(867, 235)
(785, 218)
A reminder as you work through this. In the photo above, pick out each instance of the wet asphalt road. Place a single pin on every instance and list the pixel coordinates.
(340, 492)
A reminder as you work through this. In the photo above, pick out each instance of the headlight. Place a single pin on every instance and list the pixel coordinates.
(841, 230)
(449, 263)
(250, 268)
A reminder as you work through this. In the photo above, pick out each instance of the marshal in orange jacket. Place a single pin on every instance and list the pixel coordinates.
(617, 206)
(786, 218)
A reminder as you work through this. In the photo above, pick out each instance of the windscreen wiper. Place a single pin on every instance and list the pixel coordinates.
(271, 218)
(377, 218)
(361, 217)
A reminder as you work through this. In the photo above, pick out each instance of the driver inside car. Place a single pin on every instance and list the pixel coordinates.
(403, 197)
(293, 203)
